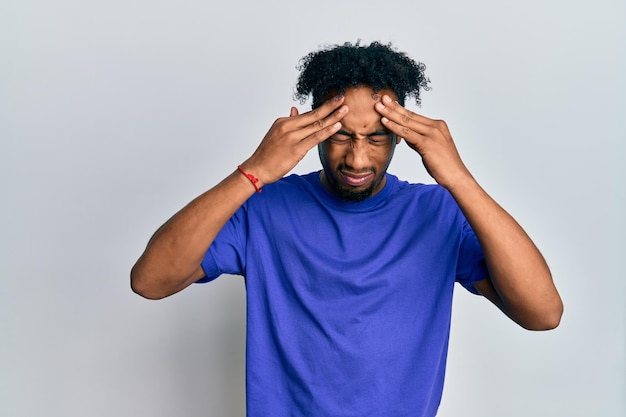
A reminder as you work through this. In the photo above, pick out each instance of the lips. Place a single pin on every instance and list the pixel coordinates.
(356, 180)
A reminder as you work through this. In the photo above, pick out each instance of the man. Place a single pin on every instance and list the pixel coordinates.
(350, 271)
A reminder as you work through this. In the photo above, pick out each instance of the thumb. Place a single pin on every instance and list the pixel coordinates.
(293, 112)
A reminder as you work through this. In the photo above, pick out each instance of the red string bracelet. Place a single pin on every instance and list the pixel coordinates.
(251, 177)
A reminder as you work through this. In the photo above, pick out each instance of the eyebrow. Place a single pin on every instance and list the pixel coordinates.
(378, 132)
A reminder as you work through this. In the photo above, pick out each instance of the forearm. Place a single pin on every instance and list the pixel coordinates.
(172, 259)
(523, 285)
(520, 282)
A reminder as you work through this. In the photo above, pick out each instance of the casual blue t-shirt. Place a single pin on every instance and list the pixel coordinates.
(348, 304)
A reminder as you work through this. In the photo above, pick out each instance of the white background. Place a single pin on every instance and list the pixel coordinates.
(115, 114)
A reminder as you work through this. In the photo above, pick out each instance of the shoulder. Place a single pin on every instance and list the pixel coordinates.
(402, 188)
(423, 198)
(294, 183)
(285, 191)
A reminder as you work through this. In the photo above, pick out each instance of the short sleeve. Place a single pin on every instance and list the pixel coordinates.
(227, 253)
(471, 266)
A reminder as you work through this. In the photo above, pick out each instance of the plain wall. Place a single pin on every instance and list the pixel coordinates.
(115, 114)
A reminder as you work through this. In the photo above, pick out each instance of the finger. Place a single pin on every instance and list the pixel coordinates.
(293, 112)
(319, 132)
(319, 136)
(394, 111)
(320, 125)
(408, 125)
(320, 113)
(410, 136)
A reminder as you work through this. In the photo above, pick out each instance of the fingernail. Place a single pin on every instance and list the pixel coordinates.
(387, 99)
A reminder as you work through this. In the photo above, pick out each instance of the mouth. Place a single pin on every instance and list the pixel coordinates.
(356, 180)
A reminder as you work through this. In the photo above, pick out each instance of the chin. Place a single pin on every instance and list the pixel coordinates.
(354, 196)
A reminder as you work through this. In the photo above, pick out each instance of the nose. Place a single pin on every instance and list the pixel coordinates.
(357, 156)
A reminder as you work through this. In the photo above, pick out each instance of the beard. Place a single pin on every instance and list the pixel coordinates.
(353, 196)
(350, 195)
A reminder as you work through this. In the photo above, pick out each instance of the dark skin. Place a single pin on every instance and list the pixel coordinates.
(171, 261)
(355, 159)
(520, 283)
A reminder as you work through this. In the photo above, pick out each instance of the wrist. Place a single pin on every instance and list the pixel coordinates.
(461, 183)
(253, 179)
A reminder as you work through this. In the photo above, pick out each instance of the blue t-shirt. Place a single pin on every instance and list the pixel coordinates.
(348, 304)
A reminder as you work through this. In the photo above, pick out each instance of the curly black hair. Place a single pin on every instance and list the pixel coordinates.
(337, 67)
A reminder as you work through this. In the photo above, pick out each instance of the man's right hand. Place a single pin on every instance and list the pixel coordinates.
(172, 259)
(290, 138)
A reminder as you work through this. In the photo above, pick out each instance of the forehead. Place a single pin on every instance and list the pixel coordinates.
(362, 117)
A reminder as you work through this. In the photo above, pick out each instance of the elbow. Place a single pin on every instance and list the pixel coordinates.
(556, 317)
(553, 320)
(550, 323)
(548, 319)
(141, 285)
(153, 284)
(145, 292)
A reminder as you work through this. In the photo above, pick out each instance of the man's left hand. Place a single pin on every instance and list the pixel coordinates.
(430, 138)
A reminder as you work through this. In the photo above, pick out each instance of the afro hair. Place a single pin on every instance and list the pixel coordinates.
(336, 68)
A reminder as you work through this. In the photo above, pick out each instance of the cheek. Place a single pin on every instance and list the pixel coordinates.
(325, 157)
(329, 154)
(384, 159)
(383, 153)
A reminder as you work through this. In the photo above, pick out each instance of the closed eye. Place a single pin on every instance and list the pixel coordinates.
(341, 138)
(380, 138)
(377, 138)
